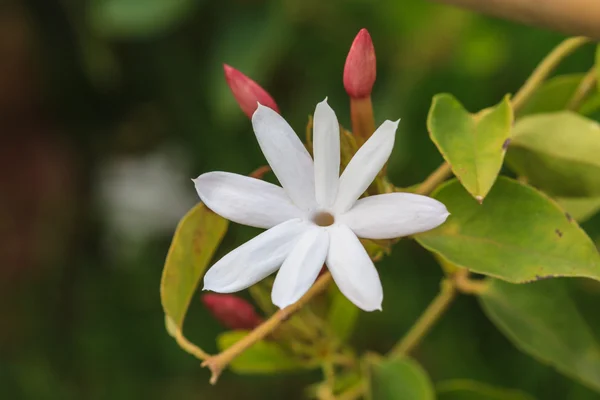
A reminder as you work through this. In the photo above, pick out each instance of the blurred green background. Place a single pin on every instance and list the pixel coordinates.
(109, 107)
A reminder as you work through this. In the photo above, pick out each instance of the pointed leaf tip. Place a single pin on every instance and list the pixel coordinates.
(473, 144)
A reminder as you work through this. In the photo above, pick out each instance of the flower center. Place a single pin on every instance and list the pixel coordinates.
(323, 218)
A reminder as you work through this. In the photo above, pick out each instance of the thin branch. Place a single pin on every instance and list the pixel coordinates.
(464, 284)
(542, 71)
(433, 180)
(218, 362)
(426, 321)
(545, 68)
(587, 84)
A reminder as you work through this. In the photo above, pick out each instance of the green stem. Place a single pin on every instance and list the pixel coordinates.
(426, 321)
(545, 68)
(587, 84)
(433, 180)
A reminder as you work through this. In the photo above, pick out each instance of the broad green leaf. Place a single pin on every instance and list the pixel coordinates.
(198, 235)
(558, 152)
(134, 18)
(473, 144)
(580, 208)
(518, 235)
(342, 315)
(465, 389)
(264, 357)
(393, 379)
(541, 320)
(554, 95)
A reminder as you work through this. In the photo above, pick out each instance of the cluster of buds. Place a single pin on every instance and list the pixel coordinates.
(359, 78)
(231, 311)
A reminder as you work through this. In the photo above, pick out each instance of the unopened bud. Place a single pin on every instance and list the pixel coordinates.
(360, 69)
(231, 311)
(247, 92)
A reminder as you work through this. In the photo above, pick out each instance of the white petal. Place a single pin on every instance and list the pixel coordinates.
(286, 155)
(365, 165)
(255, 259)
(326, 151)
(301, 267)
(353, 270)
(245, 200)
(392, 215)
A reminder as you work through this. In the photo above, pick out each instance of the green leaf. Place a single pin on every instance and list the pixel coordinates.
(393, 379)
(558, 152)
(263, 357)
(342, 314)
(518, 234)
(134, 18)
(541, 320)
(198, 235)
(554, 95)
(473, 144)
(580, 208)
(465, 389)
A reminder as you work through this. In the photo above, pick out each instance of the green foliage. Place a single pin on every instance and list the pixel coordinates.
(393, 379)
(554, 95)
(558, 152)
(264, 357)
(541, 320)
(342, 314)
(196, 239)
(464, 389)
(158, 64)
(517, 234)
(580, 208)
(133, 19)
(473, 144)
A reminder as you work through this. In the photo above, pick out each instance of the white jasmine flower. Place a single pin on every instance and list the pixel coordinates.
(315, 217)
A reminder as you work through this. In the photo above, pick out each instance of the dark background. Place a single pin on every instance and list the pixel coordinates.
(109, 107)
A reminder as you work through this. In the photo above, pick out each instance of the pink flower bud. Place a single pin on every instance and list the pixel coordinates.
(247, 92)
(360, 69)
(232, 311)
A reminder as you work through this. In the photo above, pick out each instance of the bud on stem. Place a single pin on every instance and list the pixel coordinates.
(231, 311)
(247, 92)
(359, 76)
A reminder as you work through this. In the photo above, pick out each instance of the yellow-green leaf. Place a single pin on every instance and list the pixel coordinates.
(580, 208)
(541, 320)
(198, 235)
(473, 144)
(465, 389)
(554, 95)
(263, 357)
(558, 152)
(518, 235)
(393, 379)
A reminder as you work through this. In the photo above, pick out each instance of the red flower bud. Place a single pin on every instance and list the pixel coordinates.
(360, 69)
(232, 311)
(247, 92)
